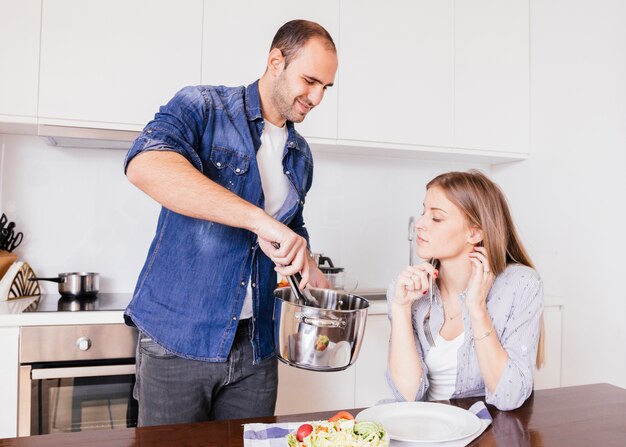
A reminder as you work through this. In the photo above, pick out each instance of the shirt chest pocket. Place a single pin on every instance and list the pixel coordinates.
(229, 168)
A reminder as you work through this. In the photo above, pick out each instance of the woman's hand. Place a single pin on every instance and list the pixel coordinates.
(413, 283)
(480, 282)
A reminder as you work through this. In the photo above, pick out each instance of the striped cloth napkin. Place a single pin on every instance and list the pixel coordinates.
(273, 435)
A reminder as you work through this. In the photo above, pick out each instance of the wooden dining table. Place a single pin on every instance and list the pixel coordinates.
(587, 415)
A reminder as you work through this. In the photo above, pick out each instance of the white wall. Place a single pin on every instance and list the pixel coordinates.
(78, 211)
(569, 196)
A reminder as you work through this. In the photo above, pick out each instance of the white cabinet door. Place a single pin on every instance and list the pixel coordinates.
(550, 375)
(19, 55)
(237, 38)
(370, 385)
(396, 69)
(492, 75)
(302, 391)
(9, 367)
(111, 64)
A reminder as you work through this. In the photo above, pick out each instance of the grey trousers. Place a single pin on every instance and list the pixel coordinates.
(173, 390)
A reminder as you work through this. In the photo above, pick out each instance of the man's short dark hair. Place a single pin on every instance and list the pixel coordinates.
(293, 35)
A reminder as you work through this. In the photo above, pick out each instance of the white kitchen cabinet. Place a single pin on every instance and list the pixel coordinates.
(492, 75)
(111, 64)
(302, 391)
(19, 53)
(370, 385)
(397, 67)
(236, 42)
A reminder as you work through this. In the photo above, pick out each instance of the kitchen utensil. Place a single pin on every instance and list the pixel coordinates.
(412, 236)
(301, 331)
(426, 323)
(15, 241)
(3, 220)
(5, 235)
(304, 296)
(76, 284)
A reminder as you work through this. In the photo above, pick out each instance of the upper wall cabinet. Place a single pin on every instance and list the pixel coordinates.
(237, 39)
(492, 75)
(19, 55)
(397, 71)
(111, 64)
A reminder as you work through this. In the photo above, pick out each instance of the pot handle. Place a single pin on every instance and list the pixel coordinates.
(59, 280)
(321, 322)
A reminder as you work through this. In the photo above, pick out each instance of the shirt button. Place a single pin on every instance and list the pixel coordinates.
(237, 170)
(149, 131)
(290, 144)
(253, 284)
(218, 164)
(243, 283)
(287, 172)
(234, 318)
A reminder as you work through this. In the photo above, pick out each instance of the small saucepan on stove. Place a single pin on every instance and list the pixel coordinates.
(76, 284)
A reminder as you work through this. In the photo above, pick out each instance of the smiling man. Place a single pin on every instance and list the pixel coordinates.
(231, 174)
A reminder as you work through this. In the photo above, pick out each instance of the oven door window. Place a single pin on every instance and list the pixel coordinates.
(61, 405)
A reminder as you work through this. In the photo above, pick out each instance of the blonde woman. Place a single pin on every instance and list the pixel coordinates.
(478, 331)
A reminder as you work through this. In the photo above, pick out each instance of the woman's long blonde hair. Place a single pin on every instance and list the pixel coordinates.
(484, 205)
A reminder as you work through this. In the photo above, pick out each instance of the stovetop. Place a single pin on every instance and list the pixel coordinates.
(58, 303)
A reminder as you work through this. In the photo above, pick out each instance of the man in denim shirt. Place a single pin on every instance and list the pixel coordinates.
(232, 175)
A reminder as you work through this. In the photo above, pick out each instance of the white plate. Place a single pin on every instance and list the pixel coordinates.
(422, 421)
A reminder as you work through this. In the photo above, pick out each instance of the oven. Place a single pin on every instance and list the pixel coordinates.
(75, 378)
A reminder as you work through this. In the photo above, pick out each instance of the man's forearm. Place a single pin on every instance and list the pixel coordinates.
(172, 181)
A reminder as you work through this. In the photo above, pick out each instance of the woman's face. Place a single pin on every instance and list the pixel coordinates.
(442, 230)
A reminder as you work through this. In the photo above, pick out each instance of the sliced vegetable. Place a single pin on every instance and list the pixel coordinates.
(303, 431)
(341, 415)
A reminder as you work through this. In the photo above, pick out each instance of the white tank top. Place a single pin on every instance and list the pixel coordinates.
(275, 183)
(442, 367)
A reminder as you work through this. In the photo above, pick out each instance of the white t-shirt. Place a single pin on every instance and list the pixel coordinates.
(275, 183)
(442, 365)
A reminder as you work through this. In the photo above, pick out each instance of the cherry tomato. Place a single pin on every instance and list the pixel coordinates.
(303, 431)
(341, 415)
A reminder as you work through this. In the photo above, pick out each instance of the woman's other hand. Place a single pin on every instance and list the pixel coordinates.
(480, 282)
(413, 283)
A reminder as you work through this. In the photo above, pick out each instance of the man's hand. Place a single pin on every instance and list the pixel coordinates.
(285, 248)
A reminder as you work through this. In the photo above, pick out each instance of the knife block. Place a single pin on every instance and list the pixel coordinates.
(6, 260)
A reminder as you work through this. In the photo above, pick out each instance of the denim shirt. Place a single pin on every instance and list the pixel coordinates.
(191, 289)
(515, 305)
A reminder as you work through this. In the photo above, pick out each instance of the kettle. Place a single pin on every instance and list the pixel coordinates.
(335, 275)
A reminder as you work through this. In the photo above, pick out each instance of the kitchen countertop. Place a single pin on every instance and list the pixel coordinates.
(107, 309)
(577, 416)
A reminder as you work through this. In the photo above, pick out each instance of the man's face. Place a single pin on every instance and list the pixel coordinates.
(301, 86)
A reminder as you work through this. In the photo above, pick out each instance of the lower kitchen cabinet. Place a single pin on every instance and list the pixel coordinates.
(8, 385)
(301, 391)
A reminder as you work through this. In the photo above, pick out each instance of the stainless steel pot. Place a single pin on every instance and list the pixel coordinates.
(76, 284)
(327, 338)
